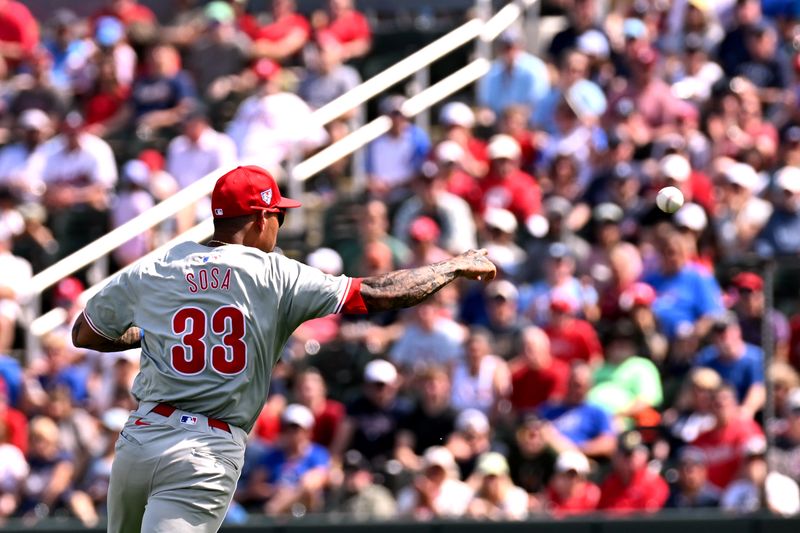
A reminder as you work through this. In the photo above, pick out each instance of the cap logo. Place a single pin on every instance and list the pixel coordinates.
(218, 212)
(267, 196)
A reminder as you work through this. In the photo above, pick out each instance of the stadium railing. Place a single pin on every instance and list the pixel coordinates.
(483, 30)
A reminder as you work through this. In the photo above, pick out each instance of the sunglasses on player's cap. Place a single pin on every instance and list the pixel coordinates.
(246, 189)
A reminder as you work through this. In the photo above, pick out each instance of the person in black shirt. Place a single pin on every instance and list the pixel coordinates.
(692, 489)
(531, 458)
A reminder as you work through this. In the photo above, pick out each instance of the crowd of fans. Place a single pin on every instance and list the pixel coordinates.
(617, 363)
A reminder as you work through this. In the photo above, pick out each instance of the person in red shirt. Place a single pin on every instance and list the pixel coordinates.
(447, 157)
(19, 32)
(15, 423)
(458, 120)
(285, 36)
(571, 338)
(310, 390)
(342, 23)
(724, 444)
(535, 375)
(631, 486)
(506, 186)
(569, 492)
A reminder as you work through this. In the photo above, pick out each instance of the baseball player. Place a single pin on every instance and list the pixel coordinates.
(211, 320)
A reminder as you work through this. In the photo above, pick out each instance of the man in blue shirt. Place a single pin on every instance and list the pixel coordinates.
(515, 78)
(737, 362)
(586, 426)
(685, 294)
(294, 472)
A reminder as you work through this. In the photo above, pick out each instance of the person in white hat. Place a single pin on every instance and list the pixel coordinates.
(781, 234)
(506, 186)
(458, 120)
(293, 474)
(569, 492)
(740, 213)
(497, 498)
(22, 162)
(501, 228)
(133, 200)
(437, 492)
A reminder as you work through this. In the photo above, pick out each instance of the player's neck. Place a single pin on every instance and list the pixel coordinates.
(221, 239)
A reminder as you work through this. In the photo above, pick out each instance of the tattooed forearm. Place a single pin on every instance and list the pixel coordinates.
(405, 288)
(83, 336)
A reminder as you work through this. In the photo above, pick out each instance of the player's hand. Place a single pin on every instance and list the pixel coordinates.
(474, 265)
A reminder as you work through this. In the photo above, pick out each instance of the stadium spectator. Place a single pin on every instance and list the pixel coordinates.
(496, 498)
(691, 413)
(98, 475)
(373, 226)
(373, 419)
(295, 471)
(310, 391)
(105, 101)
(14, 423)
(13, 471)
(284, 36)
(472, 437)
(396, 157)
(451, 213)
(78, 175)
(531, 457)
(430, 422)
(587, 426)
(692, 489)
(132, 201)
(37, 90)
(482, 379)
(342, 23)
(458, 119)
(19, 32)
(569, 493)
(326, 78)
(758, 488)
(78, 431)
(784, 456)
(724, 444)
(22, 163)
(627, 385)
(738, 363)
(571, 339)
(364, 499)
(501, 228)
(631, 486)
(16, 275)
(199, 151)
(739, 212)
(429, 339)
(506, 186)
(751, 312)
(503, 319)
(128, 12)
(423, 234)
(60, 366)
(684, 294)
(536, 376)
(781, 235)
(582, 18)
(437, 492)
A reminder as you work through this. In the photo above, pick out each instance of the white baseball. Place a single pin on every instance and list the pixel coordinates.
(669, 199)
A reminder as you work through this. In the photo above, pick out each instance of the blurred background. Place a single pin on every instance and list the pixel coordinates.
(629, 368)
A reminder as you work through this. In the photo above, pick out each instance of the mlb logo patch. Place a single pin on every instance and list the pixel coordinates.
(218, 212)
(267, 196)
(187, 419)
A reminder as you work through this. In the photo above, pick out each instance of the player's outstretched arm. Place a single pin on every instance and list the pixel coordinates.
(83, 336)
(404, 288)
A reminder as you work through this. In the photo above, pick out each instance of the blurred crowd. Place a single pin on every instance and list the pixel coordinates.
(617, 363)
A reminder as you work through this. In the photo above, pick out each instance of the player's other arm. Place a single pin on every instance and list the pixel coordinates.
(83, 336)
(404, 288)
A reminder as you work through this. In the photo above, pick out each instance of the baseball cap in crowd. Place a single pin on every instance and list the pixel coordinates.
(562, 303)
(247, 189)
(691, 216)
(354, 461)
(572, 461)
(511, 36)
(393, 104)
(448, 152)
(114, 419)
(438, 456)
(693, 42)
(380, 371)
(633, 28)
(676, 167)
(108, 31)
(137, 172)
(472, 420)
(741, 174)
(692, 455)
(492, 464)
(502, 289)
(622, 171)
(67, 291)
(724, 320)
(593, 43)
(266, 69)
(502, 146)
(219, 12)
(748, 281)
(788, 179)
(638, 294)
(586, 99)
(501, 219)
(457, 114)
(327, 260)
(424, 229)
(608, 212)
(34, 119)
(630, 441)
(298, 415)
(558, 250)
(73, 122)
(705, 378)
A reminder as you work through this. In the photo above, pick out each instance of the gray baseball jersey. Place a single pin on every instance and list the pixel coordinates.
(214, 323)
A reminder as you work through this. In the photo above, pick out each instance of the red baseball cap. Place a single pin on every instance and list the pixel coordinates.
(246, 189)
(748, 281)
(638, 294)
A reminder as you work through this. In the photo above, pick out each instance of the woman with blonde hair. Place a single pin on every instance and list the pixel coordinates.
(496, 496)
